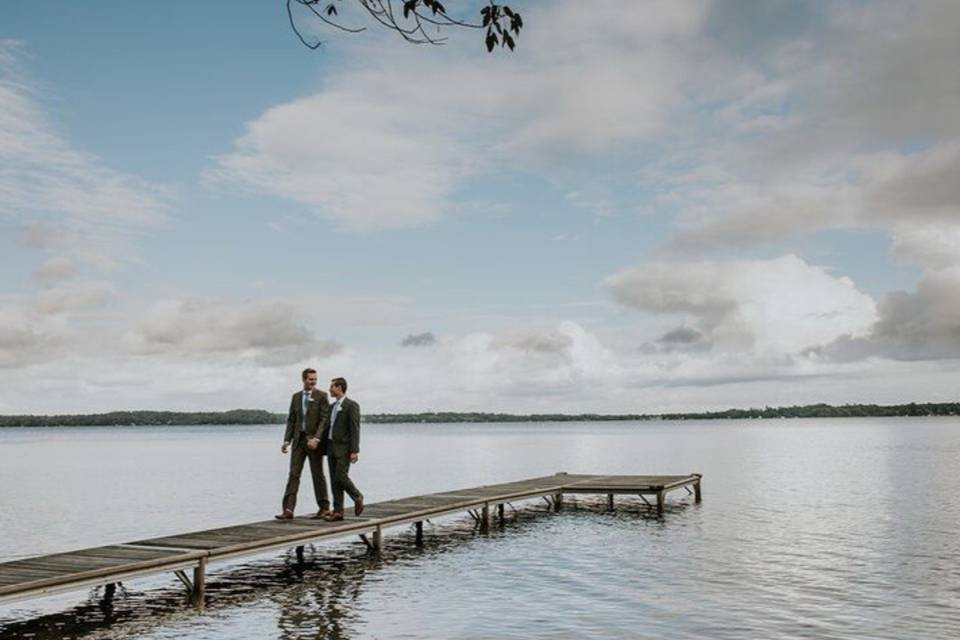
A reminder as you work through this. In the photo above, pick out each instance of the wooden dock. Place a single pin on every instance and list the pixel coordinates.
(45, 575)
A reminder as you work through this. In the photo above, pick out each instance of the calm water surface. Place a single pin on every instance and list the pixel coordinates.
(808, 529)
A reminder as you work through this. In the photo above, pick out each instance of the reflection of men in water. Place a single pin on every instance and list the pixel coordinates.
(308, 412)
(341, 436)
(320, 598)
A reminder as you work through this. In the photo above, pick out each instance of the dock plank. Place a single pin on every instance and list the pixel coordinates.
(29, 574)
(99, 565)
(127, 553)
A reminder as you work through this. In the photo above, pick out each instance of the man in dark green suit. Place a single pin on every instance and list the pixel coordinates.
(308, 414)
(341, 436)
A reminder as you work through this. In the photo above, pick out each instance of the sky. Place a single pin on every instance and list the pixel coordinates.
(647, 207)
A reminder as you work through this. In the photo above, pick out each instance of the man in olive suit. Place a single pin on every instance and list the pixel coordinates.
(341, 436)
(308, 414)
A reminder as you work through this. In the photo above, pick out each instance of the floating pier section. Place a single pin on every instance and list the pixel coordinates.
(191, 552)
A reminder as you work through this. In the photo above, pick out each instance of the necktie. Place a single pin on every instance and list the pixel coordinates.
(306, 403)
(333, 416)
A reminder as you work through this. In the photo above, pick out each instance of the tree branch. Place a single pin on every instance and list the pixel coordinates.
(410, 19)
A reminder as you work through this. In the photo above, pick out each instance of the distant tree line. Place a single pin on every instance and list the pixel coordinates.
(146, 418)
(827, 411)
(257, 416)
(456, 416)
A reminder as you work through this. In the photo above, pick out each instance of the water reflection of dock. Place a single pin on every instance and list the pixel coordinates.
(108, 565)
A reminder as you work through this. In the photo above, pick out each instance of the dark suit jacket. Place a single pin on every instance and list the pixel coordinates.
(346, 431)
(316, 417)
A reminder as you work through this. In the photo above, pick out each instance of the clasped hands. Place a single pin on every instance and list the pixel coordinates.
(312, 443)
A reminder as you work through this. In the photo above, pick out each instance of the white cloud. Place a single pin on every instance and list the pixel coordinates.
(890, 71)
(540, 367)
(94, 321)
(915, 187)
(65, 199)
(935, 246)
(268, 332)
(512, 370)
(390, 139)
(852, 124)
(919, 325)
(54, 270)
(593, 80)
(28, 338)
(548, 343)
(69, 205)
(779, 131)
(353, 157)
(563, 367)
(772, 307)
(885, 190)
(74, 296)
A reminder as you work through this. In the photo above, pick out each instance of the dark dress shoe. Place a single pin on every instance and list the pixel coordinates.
(358, 506)
(335, 516)
(286, 515)
(321, 515)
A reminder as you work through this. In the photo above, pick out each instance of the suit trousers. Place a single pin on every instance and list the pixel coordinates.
(340, 480)
(298, 454)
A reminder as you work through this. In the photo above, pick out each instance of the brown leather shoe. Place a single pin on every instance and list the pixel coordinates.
(286, 515)
(335, 516)
(321, 515)
(358, 506)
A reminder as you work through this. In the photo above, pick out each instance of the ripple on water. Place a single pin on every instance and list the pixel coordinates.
(808, 530)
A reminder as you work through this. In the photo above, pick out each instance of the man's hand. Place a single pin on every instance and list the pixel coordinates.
(313, 443)
(354, 457)
(285, 447)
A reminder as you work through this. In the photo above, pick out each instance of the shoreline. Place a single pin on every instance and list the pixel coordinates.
(260, 417)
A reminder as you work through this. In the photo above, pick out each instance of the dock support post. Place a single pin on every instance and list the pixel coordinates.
(609, 502)
(200, 584)
(696, 489)
(558, 502)
(300, 554)
(500, 517)
(660, 500)
(420, 534)
(377, 539)
(485, 517)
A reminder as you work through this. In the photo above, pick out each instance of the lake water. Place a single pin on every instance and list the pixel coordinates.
(807, 529)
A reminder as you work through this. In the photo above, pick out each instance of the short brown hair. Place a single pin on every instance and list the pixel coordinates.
(340, 382)
(306, 372)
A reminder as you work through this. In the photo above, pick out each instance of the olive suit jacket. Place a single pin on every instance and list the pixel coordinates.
(346, 430)
(315, 418)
